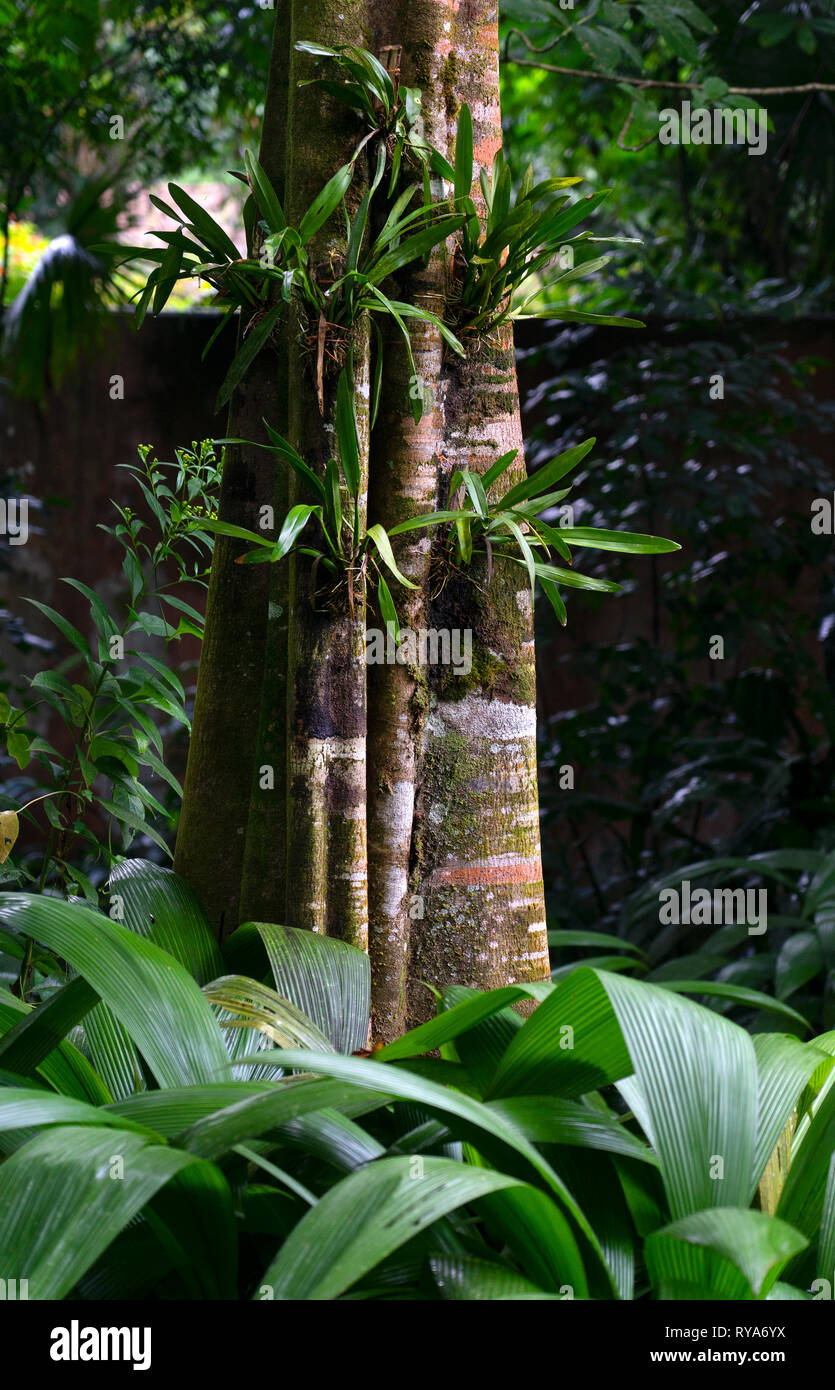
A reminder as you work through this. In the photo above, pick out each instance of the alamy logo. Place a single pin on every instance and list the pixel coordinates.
(719, 126)
(428, 647)
(14, 519)
(718, 907)
(14, 1289)
(77, 1343)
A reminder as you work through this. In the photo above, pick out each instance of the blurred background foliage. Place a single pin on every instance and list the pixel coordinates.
(680, 762)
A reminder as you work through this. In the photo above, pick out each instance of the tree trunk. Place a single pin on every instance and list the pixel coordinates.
(229, 742)
(327, 863)
(453, 800)
(443, 765)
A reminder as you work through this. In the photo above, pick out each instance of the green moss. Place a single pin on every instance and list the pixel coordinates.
(421, 58)
(449, 83)
(420, 695)
(457, 772)
(485, 675)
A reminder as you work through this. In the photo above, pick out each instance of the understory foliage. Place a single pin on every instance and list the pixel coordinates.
(184, 1120)
(716, 772)
(108, 704)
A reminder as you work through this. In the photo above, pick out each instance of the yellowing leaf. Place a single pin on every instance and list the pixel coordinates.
(9, 830)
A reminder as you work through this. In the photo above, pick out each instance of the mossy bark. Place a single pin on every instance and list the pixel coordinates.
(212, 831)
(224, 747)
(475, 894)
(263, 872)
(327, 862)
(404, 468)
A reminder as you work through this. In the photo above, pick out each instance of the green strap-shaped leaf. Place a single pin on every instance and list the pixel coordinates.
(629, 542)
(325, 202)
(40, 1030)
(254, 340)
(265, 195)
(463, 175)
(378, 535)
(211, 232)
(346, 432)
(550, 473)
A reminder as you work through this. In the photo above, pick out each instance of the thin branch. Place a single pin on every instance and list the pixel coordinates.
(625, 127)
(644, 82)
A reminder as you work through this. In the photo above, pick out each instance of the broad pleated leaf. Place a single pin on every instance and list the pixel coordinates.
(452, 1023)
(112, 1053)
(22, 1108)
(571, 1044)
(826, 1242)
(60, 1207)
(193, 1218)
(246, 1004)
(333, 1137)
(563, 938)
(462, 1277)
(738, 994)
(698, 1074)
(593, 1179)
(786, 1293)
(490, 1131)
(246, 1119)
(783, 1069)
(807, 1184)
(550, 1120)
(162, 907)
(176, 1109)
(480, 1048)
(537, 1233)
(732, 1252)
(39, 1031)
(150, 993)
(328, 980)
(368, 1215)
